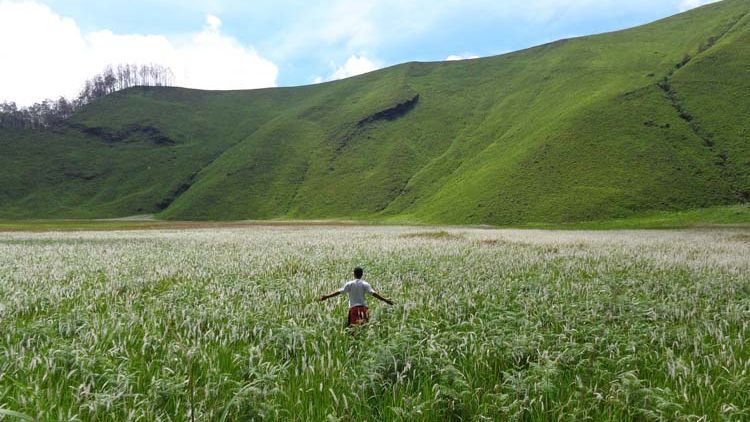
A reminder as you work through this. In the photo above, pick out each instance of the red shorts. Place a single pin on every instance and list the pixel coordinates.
(358, 315)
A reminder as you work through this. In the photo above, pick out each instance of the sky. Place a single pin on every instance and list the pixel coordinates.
(48, 48)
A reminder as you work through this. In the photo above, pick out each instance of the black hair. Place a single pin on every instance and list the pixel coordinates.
(358, 272)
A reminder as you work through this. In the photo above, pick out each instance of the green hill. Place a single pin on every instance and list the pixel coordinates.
(654, 118)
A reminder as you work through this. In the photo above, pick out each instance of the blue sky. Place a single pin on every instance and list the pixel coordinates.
(226, 44)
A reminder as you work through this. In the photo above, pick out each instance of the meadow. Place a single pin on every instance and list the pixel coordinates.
(224, 324)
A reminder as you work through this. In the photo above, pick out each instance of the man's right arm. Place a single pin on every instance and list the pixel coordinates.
(343, 289)
(334, 294)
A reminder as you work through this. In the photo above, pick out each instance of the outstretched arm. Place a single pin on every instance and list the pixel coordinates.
(377, 296)
(326, 297)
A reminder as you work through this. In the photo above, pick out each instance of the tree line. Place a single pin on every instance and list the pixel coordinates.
(52, 112)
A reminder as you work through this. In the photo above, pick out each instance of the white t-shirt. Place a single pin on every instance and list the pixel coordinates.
(357, 289)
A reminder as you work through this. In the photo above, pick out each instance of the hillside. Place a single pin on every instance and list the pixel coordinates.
(607, 126)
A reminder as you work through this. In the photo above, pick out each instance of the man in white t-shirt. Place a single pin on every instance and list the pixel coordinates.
(356, 289)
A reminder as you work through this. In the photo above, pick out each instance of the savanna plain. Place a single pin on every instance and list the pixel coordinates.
(224, 324)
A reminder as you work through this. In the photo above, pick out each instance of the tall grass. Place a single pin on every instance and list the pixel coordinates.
(224, 325)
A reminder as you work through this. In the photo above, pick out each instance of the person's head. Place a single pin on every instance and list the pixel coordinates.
(358, 272)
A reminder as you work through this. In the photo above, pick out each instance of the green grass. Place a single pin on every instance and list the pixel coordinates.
(224, 324)
(148, 224)
(726, 216)
(73, 225)
(604, 127)
(715, 217)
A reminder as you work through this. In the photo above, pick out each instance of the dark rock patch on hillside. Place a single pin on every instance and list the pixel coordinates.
(130, 133)
(389, 114)
(392, 113)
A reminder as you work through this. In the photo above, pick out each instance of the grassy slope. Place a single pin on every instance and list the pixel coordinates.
(574, 130)
(582, 150)
(65, 173)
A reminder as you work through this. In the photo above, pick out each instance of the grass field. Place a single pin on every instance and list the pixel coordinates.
(732, 216)
(737, 216)
(151, 224)
(223, 324)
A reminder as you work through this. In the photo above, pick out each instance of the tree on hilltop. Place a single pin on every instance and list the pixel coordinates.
(50, 112)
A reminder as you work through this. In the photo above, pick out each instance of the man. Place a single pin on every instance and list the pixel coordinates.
(357, 288)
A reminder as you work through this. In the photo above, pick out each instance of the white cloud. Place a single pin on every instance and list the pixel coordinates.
(454, 57)
(355, 65)
(692, 4)
(46, 55)
(213, 23)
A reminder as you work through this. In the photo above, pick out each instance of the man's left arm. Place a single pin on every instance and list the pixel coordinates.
(377, 296)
